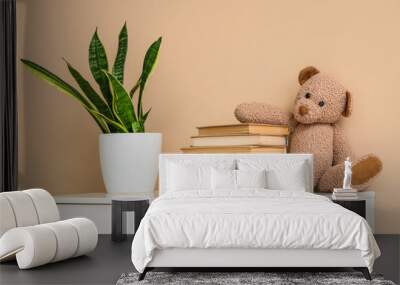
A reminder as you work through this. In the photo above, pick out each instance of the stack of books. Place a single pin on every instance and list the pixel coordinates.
(239, 138)
(344, 194)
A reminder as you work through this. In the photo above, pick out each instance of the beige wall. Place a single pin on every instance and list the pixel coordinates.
(215, 54)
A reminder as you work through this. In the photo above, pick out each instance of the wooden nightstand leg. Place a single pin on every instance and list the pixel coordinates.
(116, 222)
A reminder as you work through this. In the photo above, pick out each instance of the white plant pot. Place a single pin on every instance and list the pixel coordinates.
(129, 162)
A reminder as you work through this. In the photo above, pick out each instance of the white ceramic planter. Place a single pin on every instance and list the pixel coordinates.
(129, 162)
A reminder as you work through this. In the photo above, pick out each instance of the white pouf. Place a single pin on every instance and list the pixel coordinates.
(31, 233)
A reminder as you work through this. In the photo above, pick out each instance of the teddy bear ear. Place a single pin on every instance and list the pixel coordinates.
(349, 105)
(307, 73)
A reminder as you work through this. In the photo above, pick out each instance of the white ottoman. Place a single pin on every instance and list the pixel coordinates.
(31, 233)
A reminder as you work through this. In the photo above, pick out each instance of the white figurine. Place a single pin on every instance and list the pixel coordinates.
(347, 174)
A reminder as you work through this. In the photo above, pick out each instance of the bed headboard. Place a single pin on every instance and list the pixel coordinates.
(271, 157)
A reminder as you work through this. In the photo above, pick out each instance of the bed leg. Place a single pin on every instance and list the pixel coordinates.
(143, 274)
(364, 271)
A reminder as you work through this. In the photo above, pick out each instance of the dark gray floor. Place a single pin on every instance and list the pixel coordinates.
(110, 260)
(389, 262)
(103, 266)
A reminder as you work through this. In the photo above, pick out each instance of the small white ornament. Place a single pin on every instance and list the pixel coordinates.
(347, 174)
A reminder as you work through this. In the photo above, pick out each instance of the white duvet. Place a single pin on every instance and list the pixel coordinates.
(250, 219)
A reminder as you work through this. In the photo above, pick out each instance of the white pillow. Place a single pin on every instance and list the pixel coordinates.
(193, 174)
(282, 174)
(223, 179)
(251, 178)
(236, 179)
(292, 179)
(184, 177)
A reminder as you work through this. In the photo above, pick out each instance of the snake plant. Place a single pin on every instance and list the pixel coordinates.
(113, 110)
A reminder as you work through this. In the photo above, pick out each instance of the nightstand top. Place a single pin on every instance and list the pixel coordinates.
(101, 198)
(349, 200)
(130, 198)
(362, 195)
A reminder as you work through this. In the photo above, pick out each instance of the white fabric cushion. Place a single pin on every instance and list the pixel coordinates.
(194, 174)
(223, 179)
(87, 233)
(7, 218)
(292, 179)
(183, 177)
(67, 239)
(23, 208)
(282, 174)
(41, 244)
(26, 208)
(251, 178)
(33, 246)
(45, 205)
(236, 179)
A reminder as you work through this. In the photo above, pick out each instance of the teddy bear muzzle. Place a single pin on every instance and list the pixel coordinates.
(303, 110)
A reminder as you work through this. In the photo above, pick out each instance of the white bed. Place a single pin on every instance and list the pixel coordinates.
(203, 226)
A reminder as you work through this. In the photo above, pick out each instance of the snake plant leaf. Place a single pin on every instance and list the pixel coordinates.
(62, 86)
(113, 108)
(98, 62)
(145, 115)
(122, 104)
(90, 93)
(134, 88)
(120, 128)
(99, 121)
(119, 63)
(137, 127)
(56, 81)
(149, 63)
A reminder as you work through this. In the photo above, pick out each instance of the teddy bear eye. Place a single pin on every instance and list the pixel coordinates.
(321, 103)
(308, 95)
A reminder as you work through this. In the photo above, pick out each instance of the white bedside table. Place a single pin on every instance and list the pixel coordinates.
(96, 207)
(121, 205)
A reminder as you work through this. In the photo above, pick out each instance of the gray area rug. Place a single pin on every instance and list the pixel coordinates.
(232, 278)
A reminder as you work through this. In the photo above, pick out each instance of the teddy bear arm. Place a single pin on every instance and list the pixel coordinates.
(341, 147)
(332, 178)
(292, 123)
(261, 113)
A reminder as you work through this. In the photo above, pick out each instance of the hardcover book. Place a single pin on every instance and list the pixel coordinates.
(235, 149)
(250, 129)
(237, 140)
(341, 190)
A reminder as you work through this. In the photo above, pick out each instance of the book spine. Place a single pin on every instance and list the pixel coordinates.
(341, 190)
(341, 197)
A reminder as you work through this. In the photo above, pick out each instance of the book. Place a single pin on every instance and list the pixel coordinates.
(342, 190)
(234, 149)
(345, 194)
(345, 198)
(249, 129)
(236, 140)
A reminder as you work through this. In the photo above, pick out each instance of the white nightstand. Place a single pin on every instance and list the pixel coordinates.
(369, 197)
(96, 207)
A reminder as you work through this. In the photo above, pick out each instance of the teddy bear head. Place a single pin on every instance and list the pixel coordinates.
(321, 99)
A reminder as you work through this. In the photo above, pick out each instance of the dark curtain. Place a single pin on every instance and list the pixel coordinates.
(8, 100)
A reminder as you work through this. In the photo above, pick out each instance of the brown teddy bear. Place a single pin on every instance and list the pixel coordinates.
(320, 103)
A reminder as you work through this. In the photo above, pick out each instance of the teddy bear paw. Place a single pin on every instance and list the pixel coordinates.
(364, 170)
